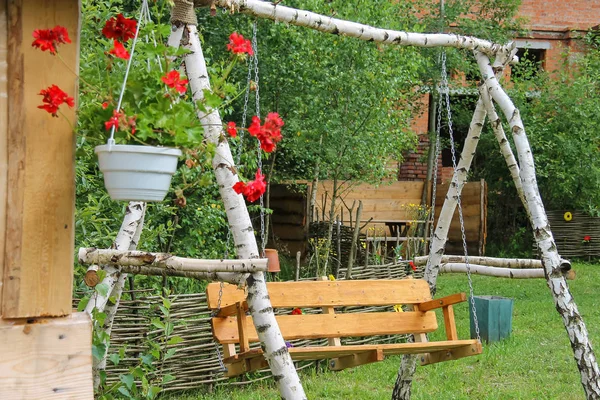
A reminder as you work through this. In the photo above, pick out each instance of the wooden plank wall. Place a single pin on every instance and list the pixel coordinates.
(386, 202)
(474, 205)
(38, 261)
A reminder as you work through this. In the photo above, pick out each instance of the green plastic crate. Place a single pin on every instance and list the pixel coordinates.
(494, 316)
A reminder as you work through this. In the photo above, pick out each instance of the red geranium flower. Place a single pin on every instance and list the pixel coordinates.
(412, 265)
(587, 238)
(231, 129)
(253, 189)
(120, 28)
(105, 105)
(53, 98)
(268, 134)
(48, 39)
(296, 311)
(172, 79)
(114, 120)
(119, 51)
(239, 44)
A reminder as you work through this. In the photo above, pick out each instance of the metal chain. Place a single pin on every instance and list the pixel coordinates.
(444, 84)
(240, 146)
(263, 242)
(214, 314)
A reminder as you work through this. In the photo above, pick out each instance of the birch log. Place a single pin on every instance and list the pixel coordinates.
(563, 300)
(126, 239)
(168, 261)
(275, 350)
(517, 263)
(498, 272)
(335, 26)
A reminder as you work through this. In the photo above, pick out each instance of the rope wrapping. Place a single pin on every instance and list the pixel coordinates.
(183, 12)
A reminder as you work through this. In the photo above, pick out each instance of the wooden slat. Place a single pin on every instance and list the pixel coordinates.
(231, 309)
(3, 133)
(314, 326)
(46, 358)
(38, 269)
(327, 293)
(334, 341)
(452, 354)
(443, 301)
(317, 352)
(449, 323)
(354, 360)
(242, 327)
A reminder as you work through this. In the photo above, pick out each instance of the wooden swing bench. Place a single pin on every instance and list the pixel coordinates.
(232, 326)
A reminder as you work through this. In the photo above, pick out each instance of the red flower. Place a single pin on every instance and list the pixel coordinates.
(587, 238)
(173, 80)
(239, 44)
(48, 39)
(119, 51)
(53, 98)
(231, 129)
(114, 120)
(412, 265)
(268, 134)
(253, 189)
(296, 311)
(120, 28)
(131, 123)
(105, 105)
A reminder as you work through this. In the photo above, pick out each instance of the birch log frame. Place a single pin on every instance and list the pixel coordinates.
(272, 342)
(168, 261)
(498, 272)
(517, 263)
(563, 299)
(335, 26)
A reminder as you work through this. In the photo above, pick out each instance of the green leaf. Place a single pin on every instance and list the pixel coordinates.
(127, 379)
(154, 390)
(102, 289)
(138, 372)
(175, 340)
(211, 100)
(125, 392)
(158, 323)
(167, 378)
(170, 353)
(114, 358)
(98, 350)
(83, 303)
(147, 359)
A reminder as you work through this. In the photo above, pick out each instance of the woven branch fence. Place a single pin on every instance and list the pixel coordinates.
(195, 363)
(569, 234)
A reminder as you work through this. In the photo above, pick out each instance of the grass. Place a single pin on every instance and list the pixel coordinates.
(536, 362)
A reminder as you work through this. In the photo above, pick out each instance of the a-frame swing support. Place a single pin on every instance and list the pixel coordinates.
(565, 304)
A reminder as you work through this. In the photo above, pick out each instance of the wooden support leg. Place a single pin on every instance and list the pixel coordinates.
(354, 360)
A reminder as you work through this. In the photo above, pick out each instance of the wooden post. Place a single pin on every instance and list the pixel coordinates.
(46, 350)
(38, 259)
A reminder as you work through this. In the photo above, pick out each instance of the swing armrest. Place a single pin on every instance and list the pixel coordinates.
(231, 310)
(442, 302)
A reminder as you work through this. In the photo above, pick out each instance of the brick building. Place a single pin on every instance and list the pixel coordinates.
(553, 27)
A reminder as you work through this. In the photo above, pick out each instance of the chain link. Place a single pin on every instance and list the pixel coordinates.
(444, 84)
(214, 314)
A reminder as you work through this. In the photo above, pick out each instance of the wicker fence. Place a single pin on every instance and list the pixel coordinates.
(569, 234)
(196, 362)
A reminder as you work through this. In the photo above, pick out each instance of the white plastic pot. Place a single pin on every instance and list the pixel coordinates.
(137, 173)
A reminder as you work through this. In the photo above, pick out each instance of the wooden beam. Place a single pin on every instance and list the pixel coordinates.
(242, 327)
(354, 360)
(442, 302)
(3, 132)
(38, 258)
(452, 354)
(46, 358)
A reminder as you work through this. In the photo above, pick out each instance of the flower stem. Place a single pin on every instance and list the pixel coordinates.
(67, 119)
(76, 74)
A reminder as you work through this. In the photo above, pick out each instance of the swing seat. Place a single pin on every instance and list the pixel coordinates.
(231, 326)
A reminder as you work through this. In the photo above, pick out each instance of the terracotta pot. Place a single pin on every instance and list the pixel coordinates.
(273, 257)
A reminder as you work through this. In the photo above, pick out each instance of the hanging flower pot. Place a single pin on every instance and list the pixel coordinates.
(273, 257)
(137, 173)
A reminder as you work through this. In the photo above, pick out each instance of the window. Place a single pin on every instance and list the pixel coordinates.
(531, 63)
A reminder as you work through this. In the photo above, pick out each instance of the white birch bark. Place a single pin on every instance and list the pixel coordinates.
(563, 300)
(505, 149)
(275, 350)
(323, 23)
(518, 263)
(126, 239)
(498, 272)
(138, 258)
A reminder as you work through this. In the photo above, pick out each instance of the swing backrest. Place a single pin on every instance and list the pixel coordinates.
(330, 322)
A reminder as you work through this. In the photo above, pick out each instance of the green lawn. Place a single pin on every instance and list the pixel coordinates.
(535, 363)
